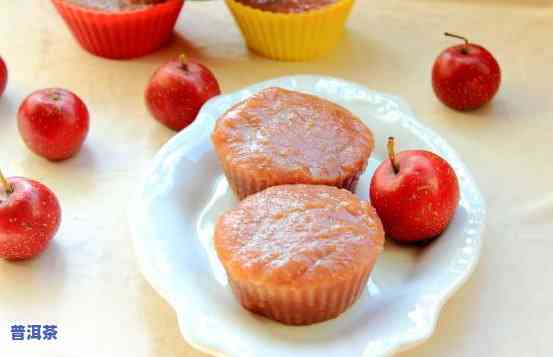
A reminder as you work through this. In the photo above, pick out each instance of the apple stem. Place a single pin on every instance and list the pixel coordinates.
(457, 36)
(8, 188)
(55, 96)
(183, 59)
(392, 154)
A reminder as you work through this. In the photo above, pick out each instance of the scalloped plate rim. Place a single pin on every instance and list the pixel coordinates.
(148, 271)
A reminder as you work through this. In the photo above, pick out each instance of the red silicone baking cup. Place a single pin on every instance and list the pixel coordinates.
(121, 34)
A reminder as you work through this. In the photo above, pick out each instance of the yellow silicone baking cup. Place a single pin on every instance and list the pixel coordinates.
(292, 37)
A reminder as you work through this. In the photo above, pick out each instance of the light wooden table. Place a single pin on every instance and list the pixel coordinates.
(88, 282)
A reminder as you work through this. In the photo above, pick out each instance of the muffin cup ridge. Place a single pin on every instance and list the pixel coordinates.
(244, 184)
(120, 34)
(301, 306)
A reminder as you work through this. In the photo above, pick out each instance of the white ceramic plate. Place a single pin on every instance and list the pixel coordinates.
(185, 191)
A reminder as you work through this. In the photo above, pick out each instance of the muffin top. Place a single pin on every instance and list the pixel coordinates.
(116, 5)
(287, 6)
(293, 235)
(292, 136)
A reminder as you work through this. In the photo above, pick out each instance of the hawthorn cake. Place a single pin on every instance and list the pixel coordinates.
(279, 137)
(299, 254)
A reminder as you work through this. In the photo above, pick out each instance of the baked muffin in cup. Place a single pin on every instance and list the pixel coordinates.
(299, 254)
(291, 30)
(120, 29)
(278, 137)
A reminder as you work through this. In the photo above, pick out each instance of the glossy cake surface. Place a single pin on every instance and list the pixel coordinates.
(299, 253)
(279, 136)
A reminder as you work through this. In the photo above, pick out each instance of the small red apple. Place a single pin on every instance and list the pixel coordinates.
(53, 123)
(178, 90)
(465, 76)
(3, 76)
(415, 194)
(30, 216)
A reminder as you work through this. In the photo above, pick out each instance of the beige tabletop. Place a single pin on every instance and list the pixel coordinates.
(88, 281)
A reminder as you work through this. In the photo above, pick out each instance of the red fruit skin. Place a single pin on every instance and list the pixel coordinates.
(3, 76)
(176, 93)
(465, 77)
(29, 218)
(418, 203)
(53, 123)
